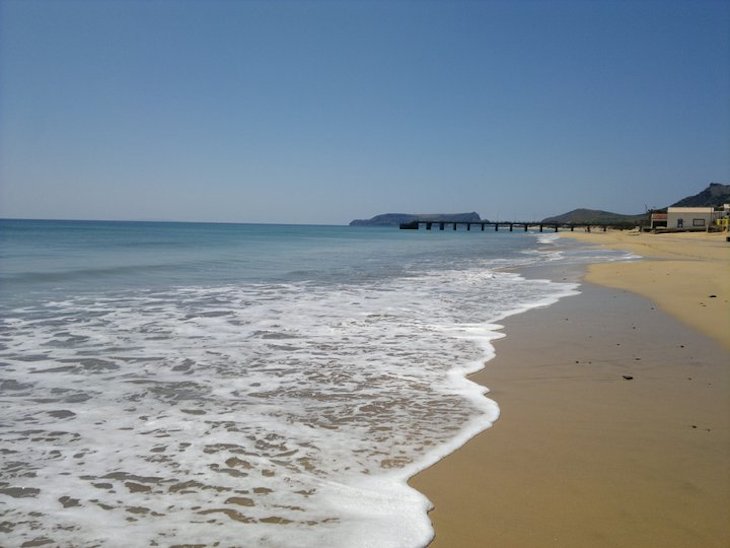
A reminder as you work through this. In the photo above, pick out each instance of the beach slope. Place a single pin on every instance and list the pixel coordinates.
(615, 415)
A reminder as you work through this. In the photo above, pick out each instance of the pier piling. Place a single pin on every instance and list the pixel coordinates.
(416, 224)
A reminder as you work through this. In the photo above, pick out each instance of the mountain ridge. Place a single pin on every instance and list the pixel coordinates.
(597, 216)
(715, 195)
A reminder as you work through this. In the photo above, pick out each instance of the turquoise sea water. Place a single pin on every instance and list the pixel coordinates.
(243, 385)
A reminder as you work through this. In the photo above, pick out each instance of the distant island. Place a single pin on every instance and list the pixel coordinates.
(715, 195)
(395, 219)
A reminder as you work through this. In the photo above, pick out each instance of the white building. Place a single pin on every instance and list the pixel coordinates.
(690, 218)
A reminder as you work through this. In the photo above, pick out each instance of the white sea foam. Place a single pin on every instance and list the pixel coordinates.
(278, 414)
(548, 238)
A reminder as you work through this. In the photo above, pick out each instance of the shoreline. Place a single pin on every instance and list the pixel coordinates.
(684, 273)
(615, 425)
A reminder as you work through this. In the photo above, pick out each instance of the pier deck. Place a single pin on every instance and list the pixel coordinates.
(415, 225)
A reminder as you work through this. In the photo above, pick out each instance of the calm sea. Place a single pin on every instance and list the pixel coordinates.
(243, 385)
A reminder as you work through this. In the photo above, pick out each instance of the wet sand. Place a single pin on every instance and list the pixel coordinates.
(686, 274)
(615, 415)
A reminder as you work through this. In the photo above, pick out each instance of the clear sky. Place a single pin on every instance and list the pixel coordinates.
(325, 111)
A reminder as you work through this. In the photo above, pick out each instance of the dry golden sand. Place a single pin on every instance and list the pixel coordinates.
(686, 270)
(582, 456)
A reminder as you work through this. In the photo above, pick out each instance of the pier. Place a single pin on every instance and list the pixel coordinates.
(511, 225)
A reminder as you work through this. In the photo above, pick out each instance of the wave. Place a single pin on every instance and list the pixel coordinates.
(259, 414)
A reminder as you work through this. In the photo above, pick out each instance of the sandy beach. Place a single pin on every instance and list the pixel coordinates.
(615, 412)
(686, 274)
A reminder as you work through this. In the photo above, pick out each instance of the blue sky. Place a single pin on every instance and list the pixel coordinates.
(321, 112)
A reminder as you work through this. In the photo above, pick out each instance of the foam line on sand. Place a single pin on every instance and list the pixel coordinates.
(615, 416)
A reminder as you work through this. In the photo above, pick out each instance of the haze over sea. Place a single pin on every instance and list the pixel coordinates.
(244, 385)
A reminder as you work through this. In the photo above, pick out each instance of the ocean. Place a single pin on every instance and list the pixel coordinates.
(171, 384)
